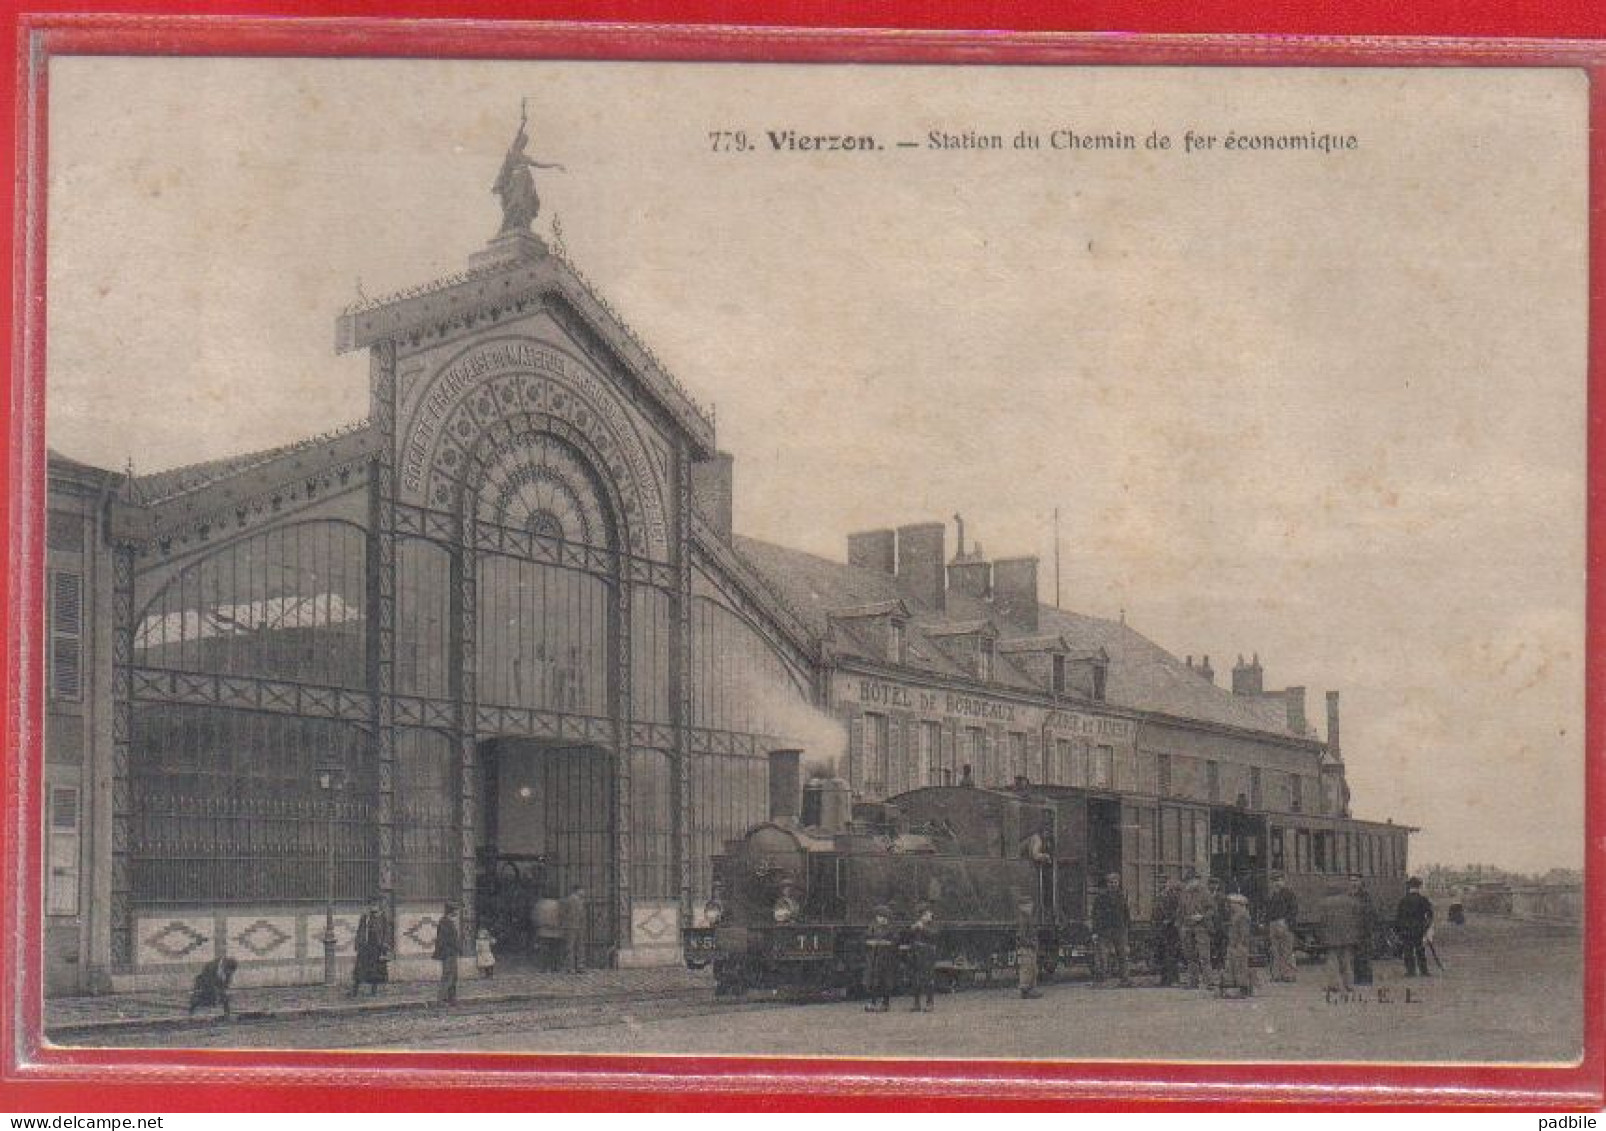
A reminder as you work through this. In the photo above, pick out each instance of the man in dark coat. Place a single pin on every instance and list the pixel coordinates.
(1169, 931)
(921, 940)
(1112, 924)
(880, 961)
(1282, 913)
(448, 945)
(1340, 919)
(212, 985)
(1412, 919)
(1026, 942)
(372, 944)
(1196, 914)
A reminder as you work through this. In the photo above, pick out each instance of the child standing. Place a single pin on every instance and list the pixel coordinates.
(484, 954)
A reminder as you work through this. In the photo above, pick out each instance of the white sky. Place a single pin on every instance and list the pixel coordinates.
(1326, 408)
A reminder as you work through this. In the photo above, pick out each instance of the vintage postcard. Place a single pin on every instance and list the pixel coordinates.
(1067, 563)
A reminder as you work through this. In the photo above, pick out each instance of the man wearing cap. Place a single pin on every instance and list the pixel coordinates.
(880, 961)
(1412, 919)
(921, 940)
(446, 952)
(372, 946)
(1282, 912)
(1112, 923)
(1196, 914)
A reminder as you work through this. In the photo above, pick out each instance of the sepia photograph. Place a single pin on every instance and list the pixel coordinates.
(1056, 563)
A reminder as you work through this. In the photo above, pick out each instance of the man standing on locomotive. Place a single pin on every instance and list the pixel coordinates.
(1282, 912)
(1039, 849)
(880, 961)
(1112, 924)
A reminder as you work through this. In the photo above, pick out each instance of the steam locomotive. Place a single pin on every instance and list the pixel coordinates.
(793, 896)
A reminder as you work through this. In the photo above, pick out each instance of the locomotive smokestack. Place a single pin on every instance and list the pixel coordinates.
(786, 785)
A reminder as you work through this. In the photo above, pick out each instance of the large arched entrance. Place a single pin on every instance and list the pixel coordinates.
(542, 625)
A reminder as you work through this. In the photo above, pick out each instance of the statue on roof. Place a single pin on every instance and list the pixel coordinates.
(515, 184)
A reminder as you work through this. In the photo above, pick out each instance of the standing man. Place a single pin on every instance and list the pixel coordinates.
(1026, 950)
(923, 959)
(575, 928)
(1197, 913)
(1340, 918)
(1282, 912)
(1412, 918)
(1364, 945)
(372, 944)
(1112, 924)
(1236, 971)
(1170, 930)
(448, 946)
(880, 961)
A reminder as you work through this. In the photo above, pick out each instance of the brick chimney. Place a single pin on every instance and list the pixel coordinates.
(873, 549)
(1333, 747)
(971, 576)
(1015, 591)
(920, 564)
(1295, 698)
(711, 490)
(1207, 671)
(1248, 679)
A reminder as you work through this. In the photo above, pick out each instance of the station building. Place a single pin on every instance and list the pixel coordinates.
(508, 615)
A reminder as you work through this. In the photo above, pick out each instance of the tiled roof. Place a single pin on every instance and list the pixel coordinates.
(160, 485)
(1142, 675)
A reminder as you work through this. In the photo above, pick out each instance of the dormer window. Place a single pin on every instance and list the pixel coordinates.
(986, 656)
(1059, 674)
(897, 643)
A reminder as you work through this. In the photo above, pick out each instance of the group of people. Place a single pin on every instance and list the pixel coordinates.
(1205, 932)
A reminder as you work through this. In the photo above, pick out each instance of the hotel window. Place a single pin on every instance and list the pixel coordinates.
(1213, 781)
(66, 635)
(1296, 794)
(1059, 674)
(1256, 801)
(1163, 771)
(1275, 841)
(875, 755)
(1017, 756)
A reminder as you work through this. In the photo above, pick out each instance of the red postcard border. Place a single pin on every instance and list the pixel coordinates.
(40, 1078)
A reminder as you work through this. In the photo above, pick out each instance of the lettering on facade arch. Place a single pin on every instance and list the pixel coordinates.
(521, 377)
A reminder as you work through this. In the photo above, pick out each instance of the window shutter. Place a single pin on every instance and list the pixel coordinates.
(61, 890)
(66, 635)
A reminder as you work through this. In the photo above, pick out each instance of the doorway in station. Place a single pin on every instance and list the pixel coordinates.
(546, 828)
